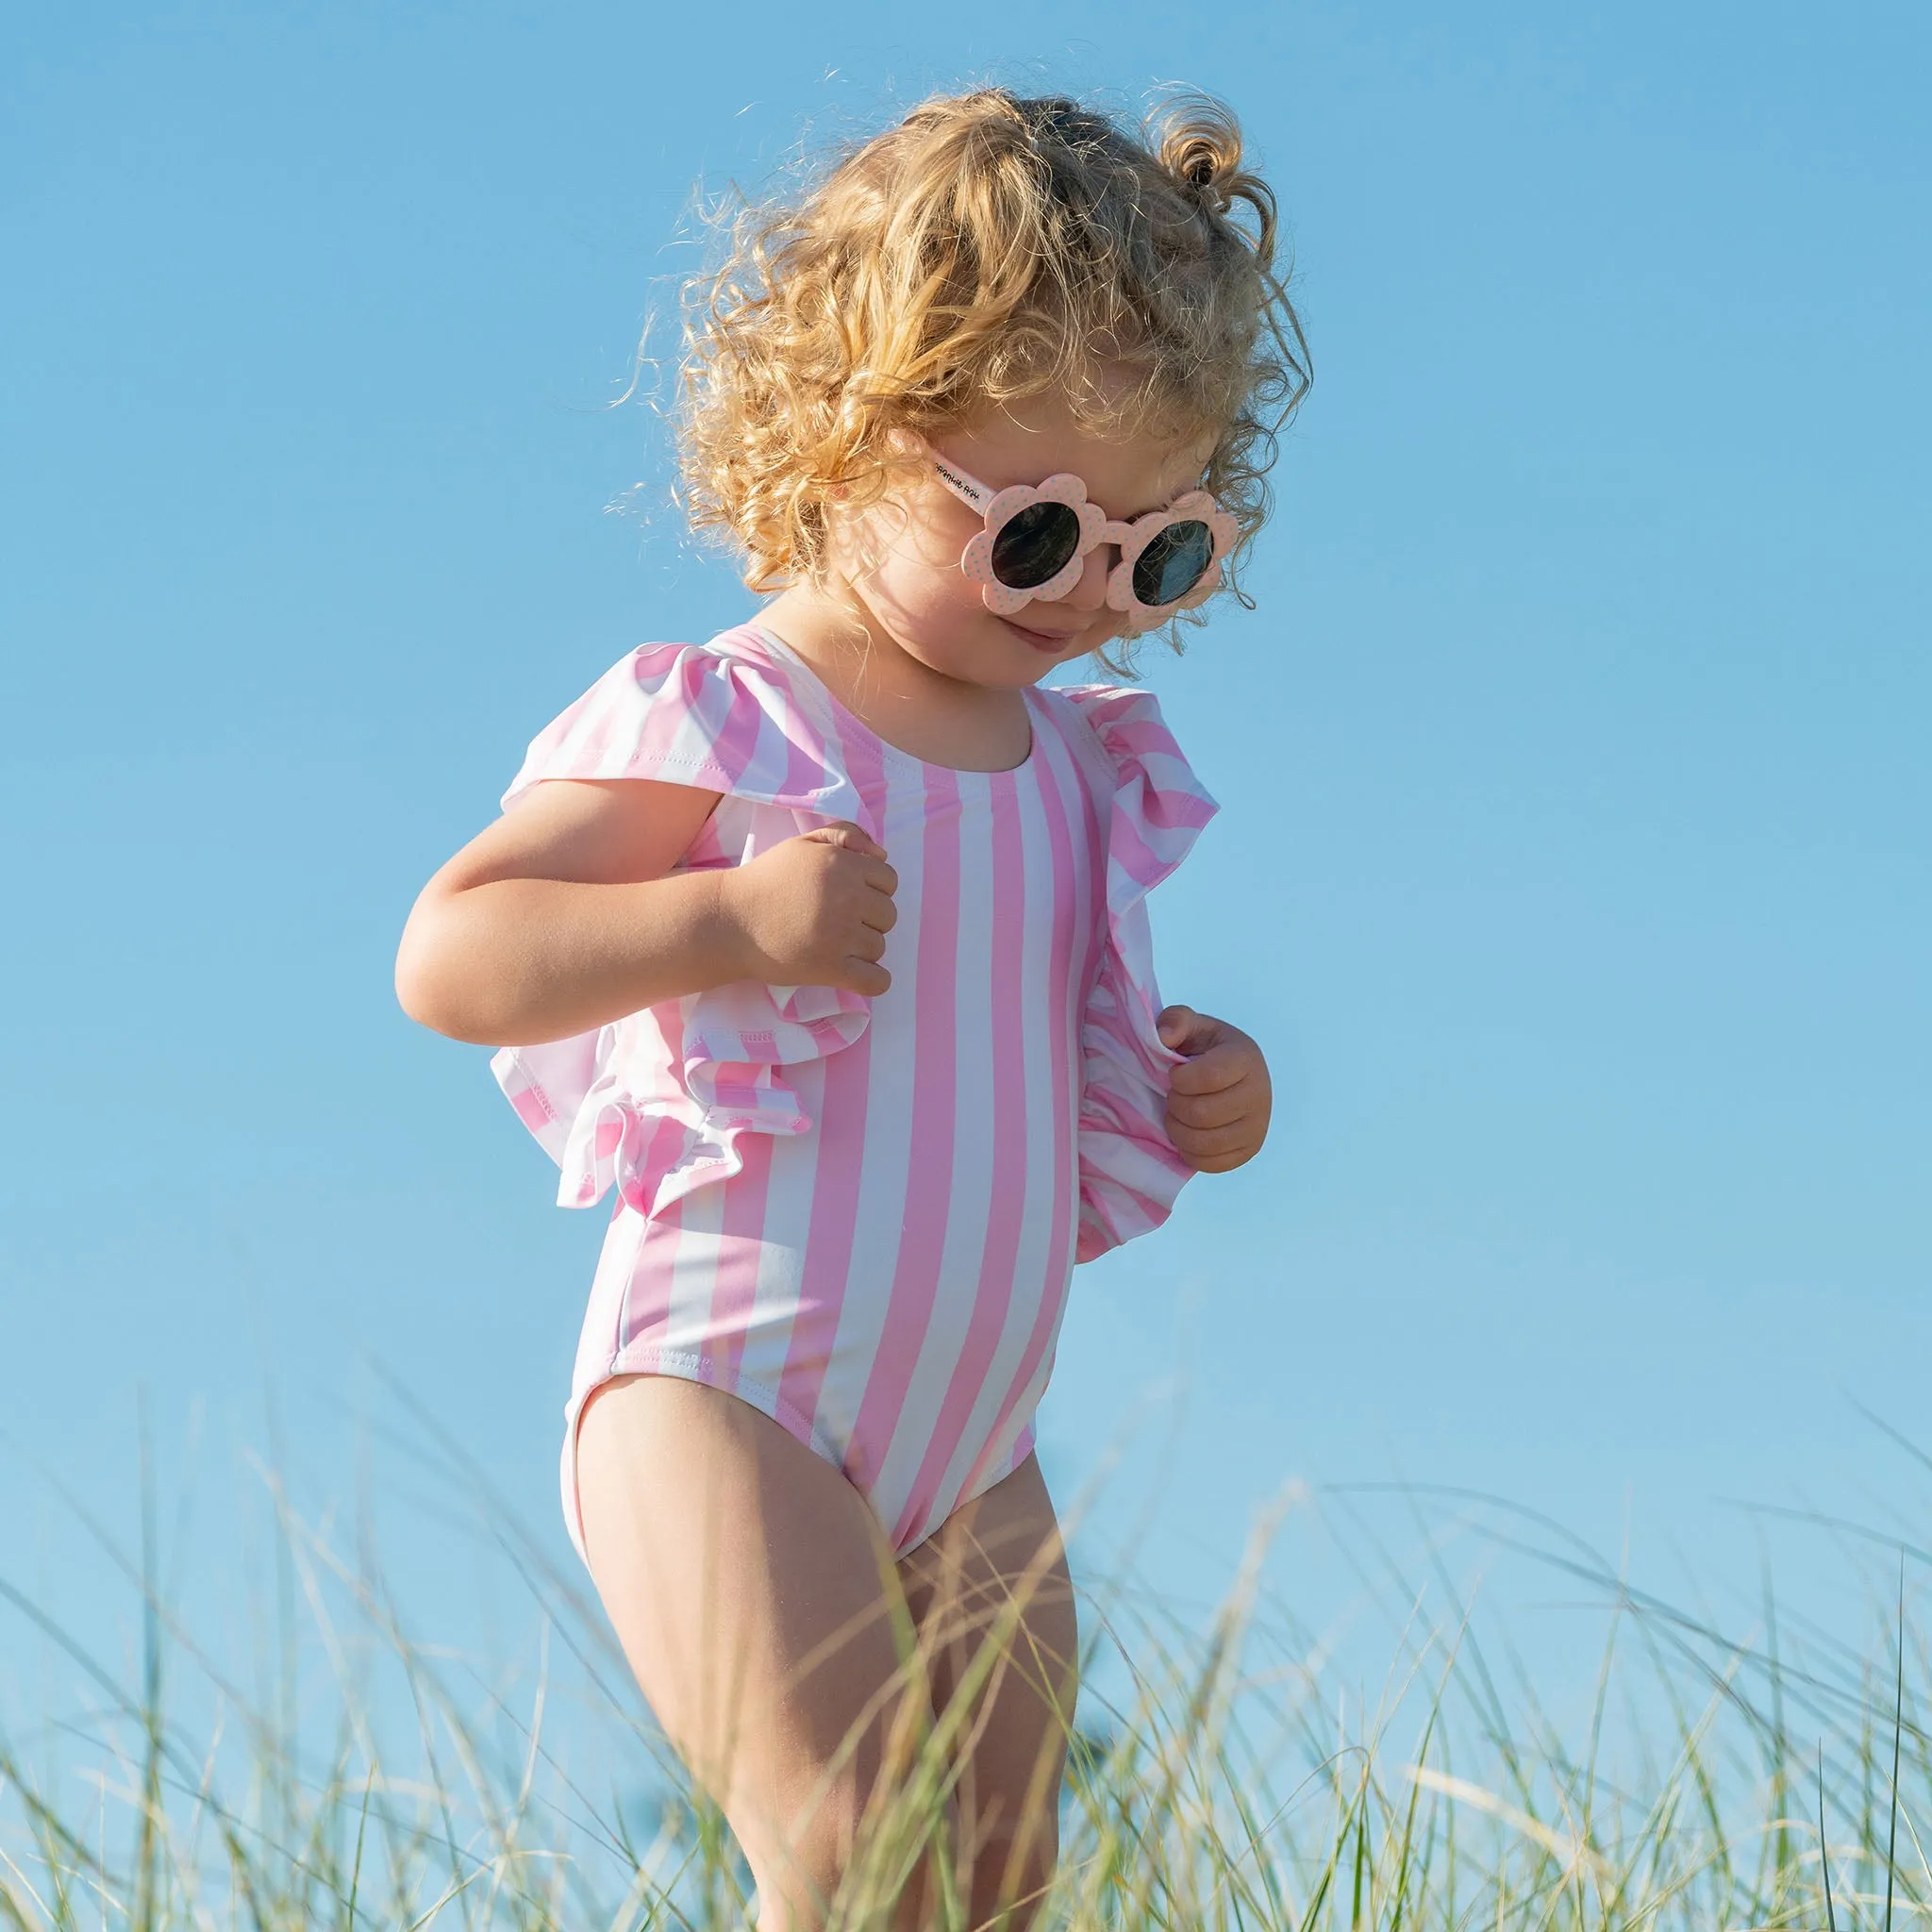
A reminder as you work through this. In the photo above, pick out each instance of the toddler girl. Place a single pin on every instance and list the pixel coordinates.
(823, 942)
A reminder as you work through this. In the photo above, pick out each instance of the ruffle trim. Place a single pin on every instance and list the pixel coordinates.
(657, 1111)
(1130, 1175)
(611, 1111)
(724, 716)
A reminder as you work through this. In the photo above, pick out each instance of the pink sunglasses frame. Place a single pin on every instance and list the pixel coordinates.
(999, 508)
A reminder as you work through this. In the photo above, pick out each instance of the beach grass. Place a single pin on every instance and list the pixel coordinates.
(335, 1769)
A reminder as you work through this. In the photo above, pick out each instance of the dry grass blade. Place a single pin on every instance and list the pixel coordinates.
(1223, 1777)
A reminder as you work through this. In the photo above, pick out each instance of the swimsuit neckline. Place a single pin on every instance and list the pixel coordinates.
(898, 754)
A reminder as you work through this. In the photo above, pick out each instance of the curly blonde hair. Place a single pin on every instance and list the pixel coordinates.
(987, 248)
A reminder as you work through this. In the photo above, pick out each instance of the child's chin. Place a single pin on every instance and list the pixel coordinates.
(995, 663)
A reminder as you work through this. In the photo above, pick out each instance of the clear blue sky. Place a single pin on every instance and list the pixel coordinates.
(1573, 865)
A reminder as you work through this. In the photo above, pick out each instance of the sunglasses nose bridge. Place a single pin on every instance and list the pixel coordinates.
(1096, 542)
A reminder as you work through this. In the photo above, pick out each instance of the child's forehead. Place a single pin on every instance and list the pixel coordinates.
(1126, 470)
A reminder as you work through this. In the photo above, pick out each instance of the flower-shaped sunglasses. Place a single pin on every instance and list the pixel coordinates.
(1038, 537)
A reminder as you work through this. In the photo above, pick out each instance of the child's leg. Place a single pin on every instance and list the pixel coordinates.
(743, 1576)
(996, 1568)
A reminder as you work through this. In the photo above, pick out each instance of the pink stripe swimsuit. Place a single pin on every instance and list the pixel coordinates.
(861, 1216)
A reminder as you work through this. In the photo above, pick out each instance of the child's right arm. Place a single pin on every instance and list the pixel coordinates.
(566, 914)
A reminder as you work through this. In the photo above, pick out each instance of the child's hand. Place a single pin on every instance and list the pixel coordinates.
(1218, 1099)
(815, 911)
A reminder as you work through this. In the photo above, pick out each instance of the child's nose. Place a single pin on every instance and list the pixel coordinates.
(1090, 593)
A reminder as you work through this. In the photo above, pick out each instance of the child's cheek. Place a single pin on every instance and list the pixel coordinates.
(931, 610)
(937, 588)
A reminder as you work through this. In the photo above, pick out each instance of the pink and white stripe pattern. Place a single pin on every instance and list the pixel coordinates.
(861, 1216)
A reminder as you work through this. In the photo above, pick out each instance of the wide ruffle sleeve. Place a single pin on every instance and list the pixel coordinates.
(655, 1103)
(1130, 1173)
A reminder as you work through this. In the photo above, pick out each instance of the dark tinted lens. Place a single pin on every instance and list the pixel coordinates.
(1173, 563)
(1035, 545)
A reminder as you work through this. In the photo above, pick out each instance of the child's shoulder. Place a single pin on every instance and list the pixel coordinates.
(1109, 709)
(731, 714)
(1155, 806)
(742, 656)
(1125, 725)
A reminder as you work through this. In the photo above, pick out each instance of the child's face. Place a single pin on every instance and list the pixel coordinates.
(911, 582)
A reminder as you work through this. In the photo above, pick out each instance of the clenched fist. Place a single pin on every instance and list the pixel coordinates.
(1219, 1097)
(815, 911)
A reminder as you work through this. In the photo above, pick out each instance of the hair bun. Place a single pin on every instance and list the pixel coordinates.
(1201, 147)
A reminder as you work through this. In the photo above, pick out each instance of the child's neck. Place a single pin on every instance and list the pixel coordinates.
(941, 720)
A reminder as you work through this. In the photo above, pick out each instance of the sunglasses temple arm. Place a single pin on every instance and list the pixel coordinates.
(968, 490)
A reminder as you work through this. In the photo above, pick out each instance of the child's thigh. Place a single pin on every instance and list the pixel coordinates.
(995, 1572)
(748, 1583)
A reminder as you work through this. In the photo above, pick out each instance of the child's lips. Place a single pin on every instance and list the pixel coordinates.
(1053, 642)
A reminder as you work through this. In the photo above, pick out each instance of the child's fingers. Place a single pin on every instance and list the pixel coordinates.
(1199, 1146)
(1219, 1164)
(1183, 1030)
(863, 975)
(842, 832)
(1221, 1066)
(1210, 1111)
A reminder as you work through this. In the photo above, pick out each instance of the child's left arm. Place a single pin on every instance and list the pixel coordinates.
(1217, 1101)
